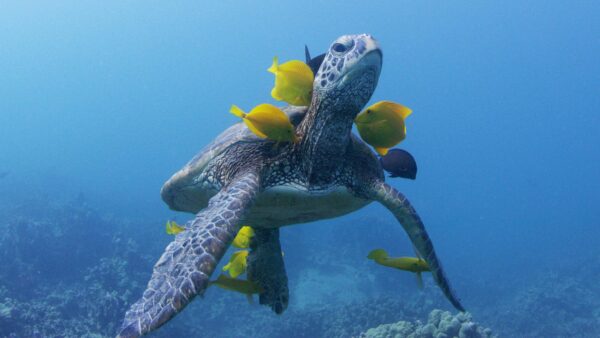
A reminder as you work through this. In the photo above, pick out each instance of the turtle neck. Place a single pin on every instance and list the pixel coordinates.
(325, 136)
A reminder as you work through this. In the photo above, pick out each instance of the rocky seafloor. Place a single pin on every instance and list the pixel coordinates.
(69, 270)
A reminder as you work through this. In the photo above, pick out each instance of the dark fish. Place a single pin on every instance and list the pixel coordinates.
(315, 63)
(399, 163)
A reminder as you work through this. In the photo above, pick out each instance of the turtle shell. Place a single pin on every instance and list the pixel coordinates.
(187, 190)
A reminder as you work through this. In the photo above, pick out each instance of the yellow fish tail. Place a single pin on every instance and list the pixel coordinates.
(381, 151)
(274, 67)
(237, 111)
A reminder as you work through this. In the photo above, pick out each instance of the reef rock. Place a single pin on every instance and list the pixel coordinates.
(441, 324)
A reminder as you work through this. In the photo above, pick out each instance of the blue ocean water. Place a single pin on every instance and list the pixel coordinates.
(100, 103)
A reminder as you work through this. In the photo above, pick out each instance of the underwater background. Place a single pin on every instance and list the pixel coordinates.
(100, 103)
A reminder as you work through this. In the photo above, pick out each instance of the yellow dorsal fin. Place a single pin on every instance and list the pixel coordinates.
(396, 107)
(298, 67)
(274, 66)
(403, 111)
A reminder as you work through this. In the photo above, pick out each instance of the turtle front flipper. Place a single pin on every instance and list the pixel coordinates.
(266, 268)
(412, 224)
(184, 269)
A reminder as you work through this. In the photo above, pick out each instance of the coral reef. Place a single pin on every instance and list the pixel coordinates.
(439, 325)
(551, 305)
(72, 270)
(69, 273)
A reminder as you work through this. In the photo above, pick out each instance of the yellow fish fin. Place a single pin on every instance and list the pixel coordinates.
(381, 151)
(269, 113)
(266, 111)
(253, 129)
(177, 228)
(420, 280)
(405, 112)
(298, 67)
(377, 254)
(275, 94)
(237, 263)
(274, 67)
(237, 111)
(174, 228)
(395, 107)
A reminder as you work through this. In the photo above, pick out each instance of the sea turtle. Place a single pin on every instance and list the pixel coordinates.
(241, 179)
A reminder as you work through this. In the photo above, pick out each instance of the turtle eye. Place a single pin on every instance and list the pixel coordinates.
(343, 46)
(338, 47)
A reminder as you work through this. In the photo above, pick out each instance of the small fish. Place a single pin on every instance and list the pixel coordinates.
(293, 82)
(238, 285)
(242, 240)
(412, 264)
(237, 263)
(267, 121)
(173, 228)
(382, 125)
(399, 163)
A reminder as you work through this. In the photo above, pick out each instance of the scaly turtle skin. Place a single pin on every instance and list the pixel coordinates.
(241, 179)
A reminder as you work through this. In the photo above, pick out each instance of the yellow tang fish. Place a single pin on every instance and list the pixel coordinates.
(238, 285)
(237, 263)
(242, 240)
(267, 121)
(173, 228)
(412, 264)
(293, 82)
(382, 125)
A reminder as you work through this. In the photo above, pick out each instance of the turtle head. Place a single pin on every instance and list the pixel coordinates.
(343, 85)
(349, 72)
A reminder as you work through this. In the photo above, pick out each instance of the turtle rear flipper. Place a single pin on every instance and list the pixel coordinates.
(266, 268)
(412, 224)
(184, 269)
